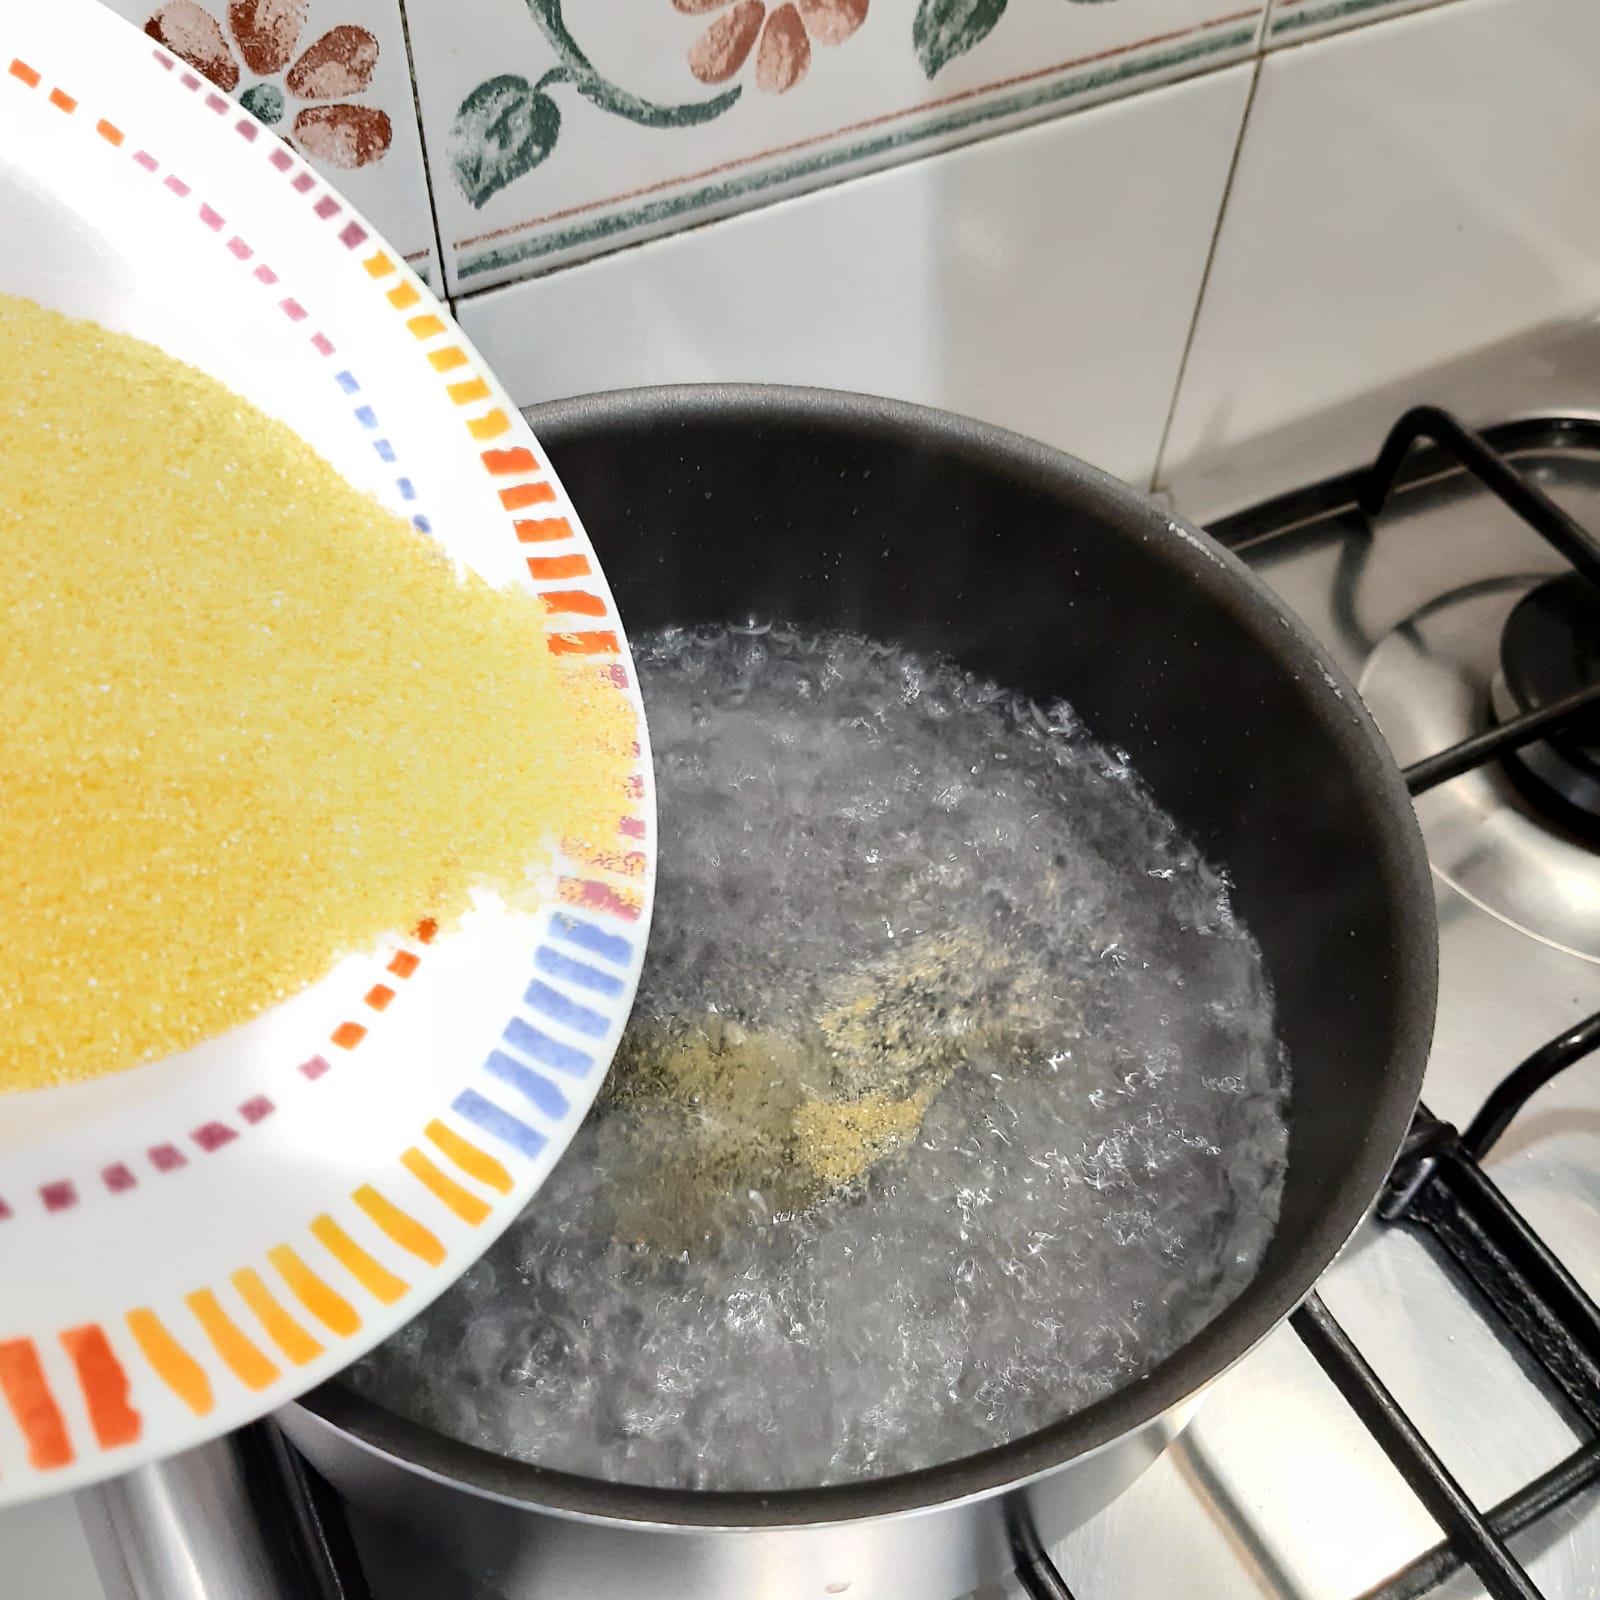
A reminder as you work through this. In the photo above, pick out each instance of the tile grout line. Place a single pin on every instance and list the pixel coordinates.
(422, 145)
(1265, 47)
(1205, 275)
(1264, 31)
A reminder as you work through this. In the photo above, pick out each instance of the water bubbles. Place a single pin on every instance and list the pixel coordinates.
(1096, 1179)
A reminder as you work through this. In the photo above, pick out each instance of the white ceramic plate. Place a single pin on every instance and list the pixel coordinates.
(188, 1244)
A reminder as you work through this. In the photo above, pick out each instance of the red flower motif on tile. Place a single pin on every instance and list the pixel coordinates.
(264, 35)
(785, 33)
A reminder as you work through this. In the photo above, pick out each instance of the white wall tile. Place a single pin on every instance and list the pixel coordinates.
(1406, 194)
(543, 151)
(1044, 280)
(360, 130)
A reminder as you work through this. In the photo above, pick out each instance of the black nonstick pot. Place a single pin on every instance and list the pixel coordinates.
(727, 503)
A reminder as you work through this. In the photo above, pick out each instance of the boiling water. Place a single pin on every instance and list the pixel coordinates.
(951, 1103)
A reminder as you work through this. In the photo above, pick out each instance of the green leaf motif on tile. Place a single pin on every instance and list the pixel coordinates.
(647, 113)
(595, 87)
(502, 130)
(945, 29)
(264, 102)
(507, 126)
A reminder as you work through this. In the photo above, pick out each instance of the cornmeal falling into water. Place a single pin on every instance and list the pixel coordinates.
(251, 721)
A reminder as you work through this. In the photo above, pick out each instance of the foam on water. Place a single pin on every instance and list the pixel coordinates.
(1034, 949)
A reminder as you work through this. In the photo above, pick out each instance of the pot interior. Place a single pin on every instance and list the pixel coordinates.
(835, 513)
(713, 506)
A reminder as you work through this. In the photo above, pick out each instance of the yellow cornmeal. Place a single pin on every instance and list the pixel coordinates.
(704, 1110)
(843, 1139)
(250, 721)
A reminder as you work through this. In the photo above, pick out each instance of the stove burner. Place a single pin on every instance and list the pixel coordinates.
(1429, 683)
(1550, 649)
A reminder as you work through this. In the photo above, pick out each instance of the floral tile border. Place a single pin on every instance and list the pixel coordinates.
(333, 77)
(1292, 21)
(556, 135)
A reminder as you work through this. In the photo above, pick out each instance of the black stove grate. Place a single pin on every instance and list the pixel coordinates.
(1439, 1189)
(1562, 532)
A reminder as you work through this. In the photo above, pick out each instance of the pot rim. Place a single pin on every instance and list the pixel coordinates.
(1399, 859)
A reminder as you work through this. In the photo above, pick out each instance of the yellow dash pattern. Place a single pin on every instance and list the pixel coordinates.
(332, 1310)
(463, 1202)
(474, 1162)
(369, 1272)
(400, 1225)
(448, 359)
(403, 295)
(176, 1368)
(249, 1366)
(281, 1328)
(378, 266)
(465, 393)
(490, 426)
(427, 326)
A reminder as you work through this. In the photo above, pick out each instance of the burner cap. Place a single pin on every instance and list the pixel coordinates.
(1551, 649)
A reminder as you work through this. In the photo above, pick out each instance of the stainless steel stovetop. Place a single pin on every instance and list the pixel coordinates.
(1276, 1490)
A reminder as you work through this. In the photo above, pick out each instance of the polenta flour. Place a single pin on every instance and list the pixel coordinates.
(251, 721)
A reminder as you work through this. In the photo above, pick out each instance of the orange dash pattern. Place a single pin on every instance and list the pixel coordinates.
(104, 1384)
(327, 1305)
(400, 1225)
(27, 1393)
(466, 1205)
(176, 1368)
(477, 1164)
(366, 1269)
(242, 1357)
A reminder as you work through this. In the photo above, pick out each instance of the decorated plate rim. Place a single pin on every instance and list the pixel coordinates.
(142, 1380)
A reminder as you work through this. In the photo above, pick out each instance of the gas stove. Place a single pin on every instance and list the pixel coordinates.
(1427, 1424)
